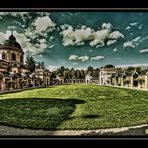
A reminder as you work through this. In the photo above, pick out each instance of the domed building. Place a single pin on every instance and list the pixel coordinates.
(13, 71)
(11, 56)
(11, 62)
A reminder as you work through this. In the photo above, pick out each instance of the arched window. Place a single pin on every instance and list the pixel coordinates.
(4, 56)
(21, 58)
(13, 56)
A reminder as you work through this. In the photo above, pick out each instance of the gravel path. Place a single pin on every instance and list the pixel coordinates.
(141, 130)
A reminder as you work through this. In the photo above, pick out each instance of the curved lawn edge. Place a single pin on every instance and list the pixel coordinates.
(75, 107)
(139, 130)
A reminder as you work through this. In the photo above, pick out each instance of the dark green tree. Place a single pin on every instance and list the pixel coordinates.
(30, 62)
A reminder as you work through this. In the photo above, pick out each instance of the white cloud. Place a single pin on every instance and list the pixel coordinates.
(83, 58)
(107, 26)
(43, 23)
(133, 43)
(115, 49)
(128, 28)
(73, 57)
(97, 38)
(143, 50)
(97, 58)
(110, 42)
(116, 35)
(78, 58)
(128, 44)
(71, 37)
(134, 24)
(140, 26)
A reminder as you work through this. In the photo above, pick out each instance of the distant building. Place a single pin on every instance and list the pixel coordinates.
(105, 74)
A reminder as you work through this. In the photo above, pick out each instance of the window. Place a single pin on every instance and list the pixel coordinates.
(13, 57)
(4, 56)
(21, 58)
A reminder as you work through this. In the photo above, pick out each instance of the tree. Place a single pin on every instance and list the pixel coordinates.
(72, 73)
(109, 66)
(30, 62)
(130, 68)
(138, 69)
(82, 74)
(40, 65)
(78, 74)
(96, 72)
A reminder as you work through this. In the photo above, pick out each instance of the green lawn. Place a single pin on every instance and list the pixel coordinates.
(79, 106)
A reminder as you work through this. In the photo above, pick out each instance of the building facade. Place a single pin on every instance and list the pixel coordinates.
(13, 72)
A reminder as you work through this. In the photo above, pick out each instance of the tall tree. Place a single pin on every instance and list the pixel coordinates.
(30, 62)
(82, 74)
(72, 73)
(78, 74)
(40, 65)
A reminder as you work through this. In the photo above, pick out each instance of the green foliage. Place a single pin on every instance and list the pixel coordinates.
(109, 66)
(40, 65)
(30, 62)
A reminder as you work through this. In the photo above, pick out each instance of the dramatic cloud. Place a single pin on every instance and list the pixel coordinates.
(97, 38)
(97, 58)
(133, 43)
(43, 24)
(143, 50)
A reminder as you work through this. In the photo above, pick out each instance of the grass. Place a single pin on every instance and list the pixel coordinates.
(78, 106)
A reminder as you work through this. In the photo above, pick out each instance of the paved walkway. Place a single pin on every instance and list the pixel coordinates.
(141, 130)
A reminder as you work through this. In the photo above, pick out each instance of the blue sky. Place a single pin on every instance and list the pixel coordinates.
(80, 39)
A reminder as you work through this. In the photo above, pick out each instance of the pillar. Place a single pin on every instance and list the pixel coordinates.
(146, 81)
(122, 81)
(132, 81)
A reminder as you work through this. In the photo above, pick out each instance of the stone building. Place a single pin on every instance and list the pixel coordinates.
(13, 72)
(105, 74)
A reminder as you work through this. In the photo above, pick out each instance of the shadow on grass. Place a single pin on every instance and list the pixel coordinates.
(90, 116)
(36, 113)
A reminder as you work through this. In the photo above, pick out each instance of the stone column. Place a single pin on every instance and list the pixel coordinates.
(122, 81)
(115, 81)
(132, 81)
(146, 81)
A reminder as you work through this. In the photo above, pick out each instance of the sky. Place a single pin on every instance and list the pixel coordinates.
(79, 39)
